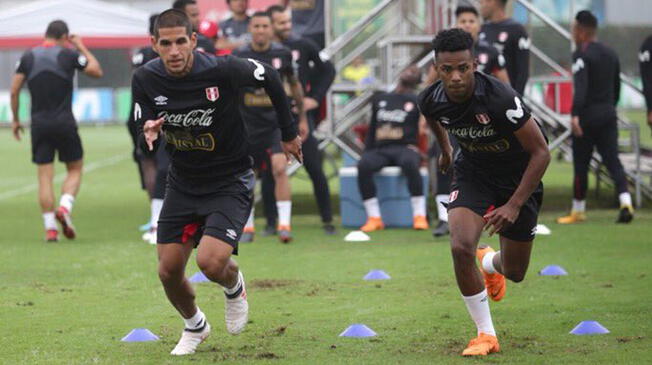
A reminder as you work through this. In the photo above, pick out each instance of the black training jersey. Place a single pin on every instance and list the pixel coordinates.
(488, 57)
(394, 120)
(203, 127)
(307, 16)
(257, 109)
(49, 72)
(235, 30)
(484, 126)
(205, 44)
(316, 75)
(142, 56)
(596, 80)
(512, 41)
(645, 62)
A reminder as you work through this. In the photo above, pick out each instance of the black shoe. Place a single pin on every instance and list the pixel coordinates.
(441, 230)
(329, 229)
(625, 215)
(269, 231)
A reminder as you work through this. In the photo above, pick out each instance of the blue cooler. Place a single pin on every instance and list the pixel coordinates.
(392, 193)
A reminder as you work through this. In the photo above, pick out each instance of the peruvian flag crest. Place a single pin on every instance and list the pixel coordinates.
(212, 93)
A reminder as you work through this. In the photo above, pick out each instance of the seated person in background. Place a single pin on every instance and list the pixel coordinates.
(392, 141)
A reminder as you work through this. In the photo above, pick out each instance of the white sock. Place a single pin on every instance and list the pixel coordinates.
(49, 222)
(442, 212)
(284, 212)
(236, 287)
(67, 201)
(418, 205)
(488, 262)
(625, 199)
(478, 307)
(155, 208)
(579, 206)
(372, 207)
(195, 322)
(250, 220)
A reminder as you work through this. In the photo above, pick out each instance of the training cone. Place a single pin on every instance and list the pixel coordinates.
(553, 270)
(356, 236)
(377, 275)
(358, 330)
(542, 229)
(589, 328)
(140, 335)
(199, 277)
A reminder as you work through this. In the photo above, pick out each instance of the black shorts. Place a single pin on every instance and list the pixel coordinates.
(64, 140)
(221, 214)
(483, 191)
(260, 150)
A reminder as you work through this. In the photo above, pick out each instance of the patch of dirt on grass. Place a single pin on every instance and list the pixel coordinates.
(271, 283)
(629, 339)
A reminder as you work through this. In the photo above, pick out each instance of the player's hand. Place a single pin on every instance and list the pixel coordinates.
(310, 103)
(304, 129)
(293, 148)
(498, 219)
(445, 161)
(75, 40)
(151, 130)
(575, 127)
(17, 129)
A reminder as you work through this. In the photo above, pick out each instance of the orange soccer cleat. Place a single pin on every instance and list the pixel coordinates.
(482, 345)
(420, 223)
(572, 218)
(373, 224)
(495, 283)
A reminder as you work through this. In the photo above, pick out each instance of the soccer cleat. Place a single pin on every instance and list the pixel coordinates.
(626, 214)
(329, 229)
(441, 229)
(420, 223)
(572, 218)
(495, 283)
(63, 216)
(247, 235)
(190, 340)
(482, 345)
(284, 234)
(236, 310)
(269, 231)
(373, 224)
(51, 235)
(153, 237)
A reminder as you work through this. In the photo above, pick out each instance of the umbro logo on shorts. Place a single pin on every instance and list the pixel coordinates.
(231, 234)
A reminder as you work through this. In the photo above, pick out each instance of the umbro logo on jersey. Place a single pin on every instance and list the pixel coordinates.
(483, 118)
(161, 100)
(231, 234)
(212, 93)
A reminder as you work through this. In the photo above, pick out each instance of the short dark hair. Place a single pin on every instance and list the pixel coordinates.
(181, 4)
(466, 9)
(452, 40)
(261, 14)
(586, 19)
(57, 29)
(172, 18)
(275, 9)
(152, 23)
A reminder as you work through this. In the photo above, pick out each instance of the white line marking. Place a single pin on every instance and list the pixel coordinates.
(96, 165)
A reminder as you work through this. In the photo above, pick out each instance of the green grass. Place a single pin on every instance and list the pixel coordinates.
(71, 302)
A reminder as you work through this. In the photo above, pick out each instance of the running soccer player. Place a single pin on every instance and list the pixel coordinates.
(497, 176)
(49, 70)
(261, 119)
(645, 63)
(392, 141)
(316, 77)
(209, 192)
(510, 38)
(234, 32)
(594, 120)
(191, 9)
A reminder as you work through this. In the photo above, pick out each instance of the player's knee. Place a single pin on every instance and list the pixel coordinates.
(169, 275)
(463, 250)
(212, 265)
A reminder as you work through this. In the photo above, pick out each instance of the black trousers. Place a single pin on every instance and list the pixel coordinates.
(604, 136)
(407, 158)
(312, 161)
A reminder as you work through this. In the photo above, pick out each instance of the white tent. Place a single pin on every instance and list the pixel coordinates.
(101, 24)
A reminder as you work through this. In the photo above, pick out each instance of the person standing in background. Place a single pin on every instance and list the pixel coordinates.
(191, 9)
(234, 32)
(308, 19)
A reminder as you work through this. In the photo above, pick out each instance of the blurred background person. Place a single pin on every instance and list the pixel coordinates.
(308, 19)
(645, 64)
(191, 9)
(234, 31)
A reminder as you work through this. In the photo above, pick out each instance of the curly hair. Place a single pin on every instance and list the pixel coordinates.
(452, 40)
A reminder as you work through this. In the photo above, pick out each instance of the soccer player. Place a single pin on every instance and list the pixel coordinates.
(261, 119)
(234, 32)
(49, 70)
(510, 38)
(209, 192)
(191, 9)
(594, 120)
(645, 63)
(316, 76)
(497, 176)
(392, 140)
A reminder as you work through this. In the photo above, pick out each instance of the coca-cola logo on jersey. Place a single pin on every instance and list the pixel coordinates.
(473, 132)
(194, 118)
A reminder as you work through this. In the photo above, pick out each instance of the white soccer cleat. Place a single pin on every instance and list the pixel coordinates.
(190, 340)
(236, 311)
(153, 237)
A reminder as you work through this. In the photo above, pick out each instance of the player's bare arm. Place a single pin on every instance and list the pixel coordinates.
(297, 96)
(151, 131)
(16, 84)
(533, 142)
(93, 68)
(446, 157)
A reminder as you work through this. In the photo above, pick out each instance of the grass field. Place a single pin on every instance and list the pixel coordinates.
(71, 302)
